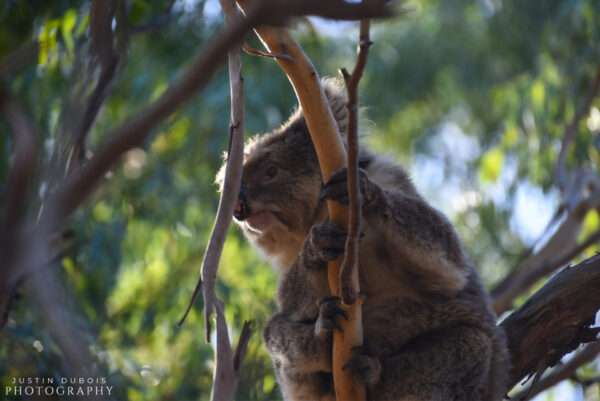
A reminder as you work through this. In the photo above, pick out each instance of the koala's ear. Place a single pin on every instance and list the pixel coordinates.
(336, 95)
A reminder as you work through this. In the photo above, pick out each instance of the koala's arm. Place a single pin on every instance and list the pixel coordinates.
(295, 347)
(302, 360)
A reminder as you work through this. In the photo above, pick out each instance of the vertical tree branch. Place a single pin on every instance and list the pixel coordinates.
(233, 170)
(102, 13)
(227, 361)
(349, 270)
(23, 163)
(232, 181)
(227, 364)
(21, 172)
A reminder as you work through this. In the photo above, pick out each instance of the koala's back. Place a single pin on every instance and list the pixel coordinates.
(425, 317)
(436, 345)
(434, 332)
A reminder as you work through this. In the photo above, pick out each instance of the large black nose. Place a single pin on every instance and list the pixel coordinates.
(242, 209)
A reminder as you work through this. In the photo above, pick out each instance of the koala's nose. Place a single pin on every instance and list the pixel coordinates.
(242, 209)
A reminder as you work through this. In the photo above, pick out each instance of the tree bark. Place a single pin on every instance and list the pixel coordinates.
(555, 320)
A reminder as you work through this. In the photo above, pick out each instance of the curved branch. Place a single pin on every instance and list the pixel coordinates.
(557, 252)
(555, 320)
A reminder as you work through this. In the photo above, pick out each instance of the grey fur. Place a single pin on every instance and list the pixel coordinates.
(430, 333)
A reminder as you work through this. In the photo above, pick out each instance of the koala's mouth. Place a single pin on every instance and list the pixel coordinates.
(259, 222)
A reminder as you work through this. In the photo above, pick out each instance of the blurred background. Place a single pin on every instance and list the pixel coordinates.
(472, 96)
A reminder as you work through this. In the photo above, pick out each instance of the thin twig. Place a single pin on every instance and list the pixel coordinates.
(232, 181)
(260, 53)
(227, 361)
(347, 288)
(242, 345)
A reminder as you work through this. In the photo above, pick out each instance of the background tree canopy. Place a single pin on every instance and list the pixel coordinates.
(472, 96)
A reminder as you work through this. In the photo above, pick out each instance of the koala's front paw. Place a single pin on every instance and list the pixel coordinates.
(336, 188)
(327, 241)
(330, 310)
(365, 368)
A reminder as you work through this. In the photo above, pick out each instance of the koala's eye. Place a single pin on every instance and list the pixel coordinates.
(271, 172)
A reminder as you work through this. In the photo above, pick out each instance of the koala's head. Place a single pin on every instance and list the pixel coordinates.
(279, 198)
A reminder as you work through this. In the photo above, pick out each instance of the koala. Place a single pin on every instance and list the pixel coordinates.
(429, 331)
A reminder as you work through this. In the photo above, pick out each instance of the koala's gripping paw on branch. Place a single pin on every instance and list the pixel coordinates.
(330, 311)
(326, 241)
(364, 367)
(336, 188)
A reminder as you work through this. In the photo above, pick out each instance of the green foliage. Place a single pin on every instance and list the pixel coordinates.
(472, 96)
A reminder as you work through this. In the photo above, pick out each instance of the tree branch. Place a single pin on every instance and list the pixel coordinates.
(227, 362)
(349, 270)
(134, 131)
(233, 172)
(565, 371)
(20, 175)
(555, 320)
(102, 13)
(557, 252)
(23, 163)
(232, 181)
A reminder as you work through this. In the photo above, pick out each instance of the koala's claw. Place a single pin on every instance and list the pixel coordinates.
(336, 188)
(329, 313)
(327, 241)
(365, 368)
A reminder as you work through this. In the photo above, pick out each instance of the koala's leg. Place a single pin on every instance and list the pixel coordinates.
(294, 347)
(305, 386)
(449, 365)
(403, 227)
(302, 359)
